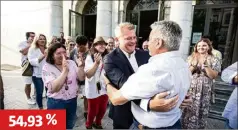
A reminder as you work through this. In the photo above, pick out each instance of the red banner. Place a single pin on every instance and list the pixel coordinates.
(32, 120)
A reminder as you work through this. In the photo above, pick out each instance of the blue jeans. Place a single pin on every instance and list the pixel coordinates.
(135, 124)
(39, 86)
(70, 106)
(227, 126)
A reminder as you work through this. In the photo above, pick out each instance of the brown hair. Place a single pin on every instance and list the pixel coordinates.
(93, 50)
(195, 51)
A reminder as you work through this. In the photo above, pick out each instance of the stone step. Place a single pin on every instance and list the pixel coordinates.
(223, 88)
(221, 99)
(217, 108)
(215, 116)
(223, 91)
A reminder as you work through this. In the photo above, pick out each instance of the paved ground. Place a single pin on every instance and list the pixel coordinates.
(15, 99)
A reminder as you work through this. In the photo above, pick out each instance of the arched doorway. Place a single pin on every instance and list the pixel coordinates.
(142, 13)
(82, 21)
(90, 17)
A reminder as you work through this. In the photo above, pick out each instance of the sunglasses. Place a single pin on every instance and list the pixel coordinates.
(72, 44)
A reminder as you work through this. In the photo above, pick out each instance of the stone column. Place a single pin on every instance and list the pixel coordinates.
(115, 15)
(56, 18)
(104, 19)
(181, 12)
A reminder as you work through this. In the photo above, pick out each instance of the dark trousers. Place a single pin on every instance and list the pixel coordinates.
(1, 101)
(39, 86)
(177, 125)
(117, 126)
(227, 126)
(96, 109)
(69, 105)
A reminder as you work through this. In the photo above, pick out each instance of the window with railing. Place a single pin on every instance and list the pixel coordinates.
(143, 4)
(90, 7)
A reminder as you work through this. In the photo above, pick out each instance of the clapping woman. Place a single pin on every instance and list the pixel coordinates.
(60, 77)
(94, 84)
(204, 67)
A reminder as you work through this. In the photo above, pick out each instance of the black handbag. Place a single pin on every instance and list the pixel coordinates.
(27, 69)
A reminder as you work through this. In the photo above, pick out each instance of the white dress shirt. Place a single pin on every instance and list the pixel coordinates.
(230, 111)
(33, 57)
(132, 59)
(164, 72)
(22, 46)
(91, 91)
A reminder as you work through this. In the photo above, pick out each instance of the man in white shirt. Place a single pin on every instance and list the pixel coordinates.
(230, 76)
(166, 71)
(23, 49)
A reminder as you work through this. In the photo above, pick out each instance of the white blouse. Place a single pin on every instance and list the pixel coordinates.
(33, 56)
(90, 83)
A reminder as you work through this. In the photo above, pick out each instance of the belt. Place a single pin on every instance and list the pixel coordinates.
(141, 127)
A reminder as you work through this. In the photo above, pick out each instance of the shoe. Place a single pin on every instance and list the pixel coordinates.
(85, 114)
(97, 126)
(31, 102)
(89, 127)
(34, 96)
(44, 96)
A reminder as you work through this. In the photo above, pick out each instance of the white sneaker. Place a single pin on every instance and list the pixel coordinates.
(34, 96)
(43, 95)
(31, 102)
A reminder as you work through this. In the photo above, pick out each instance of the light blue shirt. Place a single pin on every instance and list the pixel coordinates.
(164, 72)
(230, 111)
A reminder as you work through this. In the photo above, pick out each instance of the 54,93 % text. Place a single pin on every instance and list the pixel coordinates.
(31, 121)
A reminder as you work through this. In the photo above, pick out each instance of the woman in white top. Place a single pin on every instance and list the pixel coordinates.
(94, 84)
(36, 56)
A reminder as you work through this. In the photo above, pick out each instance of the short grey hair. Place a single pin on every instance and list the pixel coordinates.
(169, 31)
(118, 29)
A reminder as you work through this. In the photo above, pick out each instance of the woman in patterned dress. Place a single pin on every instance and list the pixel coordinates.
(204, 67)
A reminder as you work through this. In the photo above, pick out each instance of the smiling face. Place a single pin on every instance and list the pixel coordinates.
(128, 40)
(41, 41)
(202, 47)
(100, 47)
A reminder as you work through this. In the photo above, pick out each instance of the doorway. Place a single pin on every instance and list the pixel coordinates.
(220, 23)
(142, 13)
(90, 26)
(84, 23)
(146, 19)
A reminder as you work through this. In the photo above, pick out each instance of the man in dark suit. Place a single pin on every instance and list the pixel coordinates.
(119, 65)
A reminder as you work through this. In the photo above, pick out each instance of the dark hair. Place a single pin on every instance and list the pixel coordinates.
(81, 40)
(51, 50)
(28, 34)
(90, 44)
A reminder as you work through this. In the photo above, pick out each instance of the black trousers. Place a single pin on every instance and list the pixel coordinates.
(116, 126)
(1, 102)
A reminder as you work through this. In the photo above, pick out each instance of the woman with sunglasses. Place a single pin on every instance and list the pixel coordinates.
(70, 48)
(60, 77)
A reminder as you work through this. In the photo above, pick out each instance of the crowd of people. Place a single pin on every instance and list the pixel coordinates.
(145, 88)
